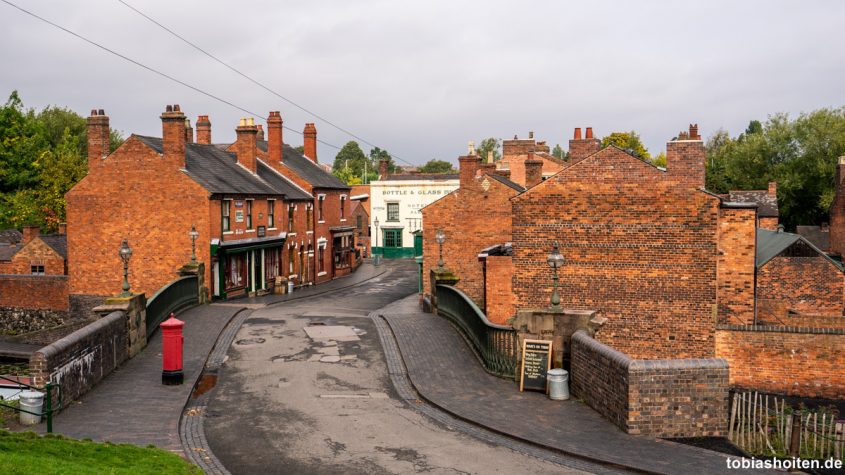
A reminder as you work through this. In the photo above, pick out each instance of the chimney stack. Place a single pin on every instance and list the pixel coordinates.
(533, 171)
(246, 147)
(383, 169)
(685, 158)
(837, 211)
(62, 228)
(275, 146)
(260, 135)
(579, 148)
(173, 135)
(203, 130)
(310, 141)
(98, 138)
(30, 232)
(468, 166)
(773, 189)
(189, 132)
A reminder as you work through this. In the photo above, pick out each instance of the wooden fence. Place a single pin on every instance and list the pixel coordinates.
(766, 425)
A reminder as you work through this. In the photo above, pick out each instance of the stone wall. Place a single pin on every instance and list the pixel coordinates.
(16, 321)
(34, 291)
(657, 398)
(806, 362)
(82, 359)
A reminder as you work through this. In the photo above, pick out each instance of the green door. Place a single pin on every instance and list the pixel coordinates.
(417, 243)
(392, 243)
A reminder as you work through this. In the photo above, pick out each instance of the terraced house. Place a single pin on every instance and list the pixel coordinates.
(264, 213)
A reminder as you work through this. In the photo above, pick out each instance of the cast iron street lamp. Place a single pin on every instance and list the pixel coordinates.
(194, 235)
(555, 261)
(125, 253)
(376, 256)
(440, 237)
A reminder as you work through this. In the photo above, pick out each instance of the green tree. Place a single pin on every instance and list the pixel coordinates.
(628, 141)
(437, 166)
(559, 152)
(659, 160)
(489, 145)
(350, 162)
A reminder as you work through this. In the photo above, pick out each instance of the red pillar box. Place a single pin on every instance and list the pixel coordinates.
(171, 351)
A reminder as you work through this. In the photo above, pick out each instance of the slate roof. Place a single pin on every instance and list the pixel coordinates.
(7, 252)
(771, 243)
(814, 234)
(506, 182)
(218, 172)
(767, 205)
(57, 242)
(10, 236)
(308, 170)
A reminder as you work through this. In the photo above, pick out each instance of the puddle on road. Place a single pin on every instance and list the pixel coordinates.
(250, 341)
(206, 383)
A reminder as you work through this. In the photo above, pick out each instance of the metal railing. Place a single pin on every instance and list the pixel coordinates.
(177, 295)
(496, 345)
(48, 400)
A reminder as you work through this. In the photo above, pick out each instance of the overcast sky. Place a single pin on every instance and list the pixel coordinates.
(422, 78)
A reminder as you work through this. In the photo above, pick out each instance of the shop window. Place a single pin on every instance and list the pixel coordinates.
(392, 238)
(235, 271)
(224, 211)
(272, 261)
(393, 211)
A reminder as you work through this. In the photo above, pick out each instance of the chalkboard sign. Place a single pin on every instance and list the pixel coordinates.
(536, 362)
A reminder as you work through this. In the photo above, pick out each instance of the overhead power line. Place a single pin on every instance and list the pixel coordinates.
(153, 70)
(253, 80)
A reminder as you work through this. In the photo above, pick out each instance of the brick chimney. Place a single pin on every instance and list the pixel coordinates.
(260, 135)
(579, 148)
(62, 228)
(98, 138)
(275, 145)
(468, 169)
(837, 211)
(309, 136)
(533, 171)
(203, 129)
(30, 232)
(486, 167)
(246, 147)
(383, 169)
(173, 135)
(685, 158)
(189, 132)
(773, 189)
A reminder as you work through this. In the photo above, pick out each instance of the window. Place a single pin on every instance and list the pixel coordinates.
(271, 213)
(342, 251)
(320, 200)
(291, 209)
(360, 223)
(249, 214)
(393, 211)
(235, 271)
(37, 269)
(225, 213)
(302, 263)
(321, 267)
(310, 215)
(272, 259)
(392, 238)
(342, 206)
(291, 260)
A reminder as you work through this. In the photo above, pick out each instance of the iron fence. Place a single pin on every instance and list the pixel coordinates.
(496, 345)
(48, 409)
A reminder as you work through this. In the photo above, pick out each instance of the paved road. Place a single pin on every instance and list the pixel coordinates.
(306, 390)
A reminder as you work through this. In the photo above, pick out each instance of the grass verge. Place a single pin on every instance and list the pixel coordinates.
(29, 453)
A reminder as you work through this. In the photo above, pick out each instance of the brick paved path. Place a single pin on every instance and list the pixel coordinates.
(131, 405)
(446, 373)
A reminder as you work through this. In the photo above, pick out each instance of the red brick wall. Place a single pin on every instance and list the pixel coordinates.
(34, 291)
(769, 223)
(473, 219)
(837, 212)
(134, 194)
(800, 364)
(499, 289)
(640, 248)
(736, 268)
(811, 285)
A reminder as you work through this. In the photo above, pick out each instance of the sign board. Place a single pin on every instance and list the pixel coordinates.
(536, 362)
(239, 204)
(262, 231)
(239, 216)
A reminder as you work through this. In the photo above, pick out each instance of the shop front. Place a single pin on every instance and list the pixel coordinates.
(247, 267)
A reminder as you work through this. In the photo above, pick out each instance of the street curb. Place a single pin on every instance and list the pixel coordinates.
(408, 391)
(191, 433)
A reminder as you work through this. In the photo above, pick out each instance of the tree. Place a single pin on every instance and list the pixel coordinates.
(437, 166)
(659, 160)
(559, 152)
(349, 162)
(628, 141)
(489, 145)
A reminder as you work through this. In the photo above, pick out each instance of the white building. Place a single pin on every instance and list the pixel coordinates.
(396, 201)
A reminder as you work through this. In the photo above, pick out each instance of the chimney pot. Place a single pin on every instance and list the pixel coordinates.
(101, 112)
(176, 108)
(577, 133)
(169, 108)
(530, 134)
(93, 112)
(589, 133)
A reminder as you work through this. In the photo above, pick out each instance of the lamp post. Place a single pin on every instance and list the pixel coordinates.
(376, 256)
(125, 254)
(194, 234)
(555, 261)
(440, 237)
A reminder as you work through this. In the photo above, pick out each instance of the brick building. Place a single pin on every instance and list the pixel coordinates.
(253, 203)
(768, 214)
(33, 270)
(517, 151)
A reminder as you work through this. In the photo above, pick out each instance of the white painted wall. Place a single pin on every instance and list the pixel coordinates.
(412, 196)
